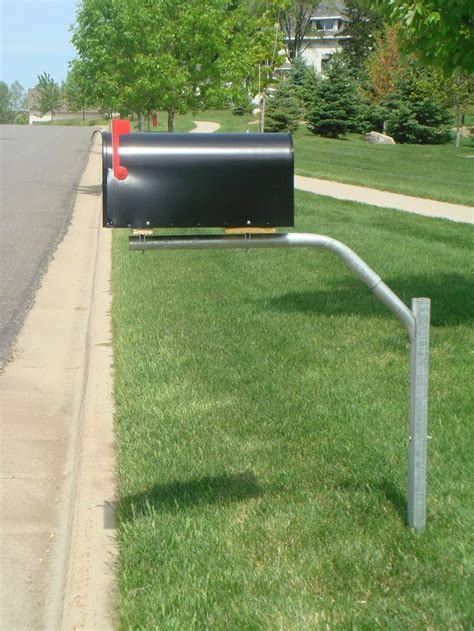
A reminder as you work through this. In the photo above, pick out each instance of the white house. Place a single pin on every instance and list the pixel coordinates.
(325, 35)
(63, 113)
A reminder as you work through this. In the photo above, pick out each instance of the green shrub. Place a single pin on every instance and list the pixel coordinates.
(417, 120)
(404, 128)
(242, 108)
(21, 119)
(370, 117)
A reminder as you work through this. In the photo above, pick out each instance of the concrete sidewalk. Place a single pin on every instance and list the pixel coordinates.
(418, 205)
(204, 127)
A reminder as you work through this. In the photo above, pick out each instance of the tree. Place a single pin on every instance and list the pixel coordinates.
(12, 101)
(440, 32)
(175, 55)
(384, 65)
(309, 89)
(362, 26)
(414, 111)
(296, 23)
(4, 102)
(74, 91)
(253, 52)
(49, 94)
(335, 108)
(283, 112)
(17, 97)
(298, 71)
(423, 122)
(105, 67)
(456, 92)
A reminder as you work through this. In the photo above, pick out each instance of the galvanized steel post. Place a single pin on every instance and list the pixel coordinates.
(417, 446)
(416, 322)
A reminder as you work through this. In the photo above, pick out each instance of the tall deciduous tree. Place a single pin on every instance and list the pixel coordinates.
(17, 97)
(104, 66)
(255, 45)
(4, 102)
(455, 92)
(362, 26)
(73, 90)
(296, 24)
(180, 55)
(440, 32)
(384, 65)
(49, 94)
(144, 55)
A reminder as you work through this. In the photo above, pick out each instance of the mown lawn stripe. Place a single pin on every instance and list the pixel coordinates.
(261, 428)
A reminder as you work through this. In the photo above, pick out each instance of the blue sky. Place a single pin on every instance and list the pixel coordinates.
(35, 38)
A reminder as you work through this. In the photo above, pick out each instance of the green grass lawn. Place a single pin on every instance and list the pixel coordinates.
(261, 417)
(434, 171)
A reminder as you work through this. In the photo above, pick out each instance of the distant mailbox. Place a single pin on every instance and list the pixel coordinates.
(197, 180)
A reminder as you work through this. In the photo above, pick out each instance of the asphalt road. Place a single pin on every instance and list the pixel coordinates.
(40, 167)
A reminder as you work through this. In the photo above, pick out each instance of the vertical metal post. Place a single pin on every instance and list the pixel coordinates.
(418, 415)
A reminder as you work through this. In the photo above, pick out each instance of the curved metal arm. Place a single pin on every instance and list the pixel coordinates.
(289, 240)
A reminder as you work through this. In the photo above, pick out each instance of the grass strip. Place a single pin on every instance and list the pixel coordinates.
(261, 416)
(441, 172)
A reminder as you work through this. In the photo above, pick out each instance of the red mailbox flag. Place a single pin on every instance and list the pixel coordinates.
(119, 127)
(155, 119)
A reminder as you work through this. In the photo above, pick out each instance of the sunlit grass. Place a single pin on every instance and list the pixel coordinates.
(261, 414)
(439, 172)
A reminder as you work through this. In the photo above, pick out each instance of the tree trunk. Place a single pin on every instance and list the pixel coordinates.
(262, 112)
(83, 114)
(171, 120)
(458, 127)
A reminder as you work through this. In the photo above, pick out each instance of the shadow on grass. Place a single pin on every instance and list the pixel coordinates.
(180, 495)
(384, 487)
(452, 298)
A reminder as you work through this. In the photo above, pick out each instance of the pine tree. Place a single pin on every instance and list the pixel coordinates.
(309, 89)
(415, 115)
(335, 108)
(283, 112)
(298, 71)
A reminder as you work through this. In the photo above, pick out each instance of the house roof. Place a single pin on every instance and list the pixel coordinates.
(329, 9)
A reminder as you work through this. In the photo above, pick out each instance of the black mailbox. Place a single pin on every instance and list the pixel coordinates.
(197, 180)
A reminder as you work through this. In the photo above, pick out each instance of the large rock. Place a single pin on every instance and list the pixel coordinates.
(379, 139)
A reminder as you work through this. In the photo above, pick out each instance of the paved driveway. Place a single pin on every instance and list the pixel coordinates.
(40, 167)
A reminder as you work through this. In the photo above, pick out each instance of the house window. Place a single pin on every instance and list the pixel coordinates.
(327, 24)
